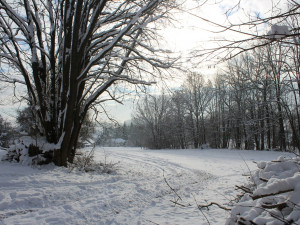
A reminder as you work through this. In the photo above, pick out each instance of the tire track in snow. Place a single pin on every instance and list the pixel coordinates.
(150, 169)
(135, 195)
(162, 164)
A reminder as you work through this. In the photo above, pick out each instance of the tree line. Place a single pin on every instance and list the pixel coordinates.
(253, 103)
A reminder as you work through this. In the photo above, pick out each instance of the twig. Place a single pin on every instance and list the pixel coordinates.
(176, 203)
(271, 194)
(170, 186)
(279, 206)
(248, 169)
(263, 179)
(243, 188)
(153, 222)
(89, 157)
(213, 203)
(244, 220)
(200, 209)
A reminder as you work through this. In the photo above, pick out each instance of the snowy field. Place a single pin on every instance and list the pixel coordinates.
(140, 192)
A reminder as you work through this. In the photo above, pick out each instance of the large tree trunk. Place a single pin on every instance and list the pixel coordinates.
(67, 150)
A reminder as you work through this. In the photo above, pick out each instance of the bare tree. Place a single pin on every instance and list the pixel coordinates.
(273, 35)
(275, 65)
(198, 96)
(178, 124)
(7, 132)
(251, 30)
(70, 53)
(152, 115)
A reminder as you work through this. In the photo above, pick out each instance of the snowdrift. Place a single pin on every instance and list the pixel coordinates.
(272, 197)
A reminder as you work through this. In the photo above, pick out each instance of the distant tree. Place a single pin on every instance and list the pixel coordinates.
(27, 121)
(7, 133)
(87, 130)
(104, 133)
(152, 115)
(198, 94)
(178, 124)
(111, 132)
(137, 135)
(218, 114)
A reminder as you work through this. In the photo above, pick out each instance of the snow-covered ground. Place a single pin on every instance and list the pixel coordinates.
(139, 193)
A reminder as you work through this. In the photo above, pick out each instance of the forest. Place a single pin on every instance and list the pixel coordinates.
(252, 104)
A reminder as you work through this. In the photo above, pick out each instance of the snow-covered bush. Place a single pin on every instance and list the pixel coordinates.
(29, 151)
(84, 161)
(272, 197)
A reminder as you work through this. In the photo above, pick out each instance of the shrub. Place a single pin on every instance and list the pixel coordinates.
(84, 161)
(29, 151)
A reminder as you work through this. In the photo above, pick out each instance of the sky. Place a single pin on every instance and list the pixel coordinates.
(186, 33)
(190, 33)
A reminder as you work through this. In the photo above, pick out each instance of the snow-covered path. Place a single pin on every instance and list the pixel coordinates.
(137, 194)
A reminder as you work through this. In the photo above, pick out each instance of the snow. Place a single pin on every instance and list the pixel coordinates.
(278, 31)
(274, 193)
(136, 194)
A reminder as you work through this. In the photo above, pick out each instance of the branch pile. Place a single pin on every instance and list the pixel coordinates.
(272, 197)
